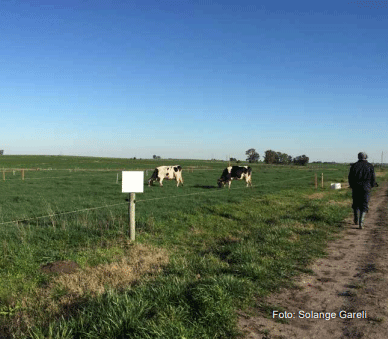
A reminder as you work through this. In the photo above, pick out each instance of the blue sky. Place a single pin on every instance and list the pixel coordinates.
(194, 79)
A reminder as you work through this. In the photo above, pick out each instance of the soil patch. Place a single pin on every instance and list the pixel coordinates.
(60, 267)
(345, 297)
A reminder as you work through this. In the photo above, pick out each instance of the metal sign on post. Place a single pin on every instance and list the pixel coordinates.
(132, 182)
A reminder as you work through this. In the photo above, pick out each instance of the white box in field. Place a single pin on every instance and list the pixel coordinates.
(132, 181)
(335, 186)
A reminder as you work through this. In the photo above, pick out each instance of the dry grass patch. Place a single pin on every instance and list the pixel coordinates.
(318, 195)
(70, 285)
(304, 226)
(142, 260)
(293, 237)
(341, 203)
(66, 290)
(196, 230)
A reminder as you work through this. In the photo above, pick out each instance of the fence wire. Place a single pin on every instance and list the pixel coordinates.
(142, 200)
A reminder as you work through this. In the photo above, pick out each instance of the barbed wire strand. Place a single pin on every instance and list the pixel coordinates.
(89, 175)
(144, 200)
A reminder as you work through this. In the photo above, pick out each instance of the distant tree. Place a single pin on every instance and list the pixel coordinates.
(156, 157)
(233, 159)
(253, 156)
(301, 160)
(1, 151)
(270, 157)
(283, 158)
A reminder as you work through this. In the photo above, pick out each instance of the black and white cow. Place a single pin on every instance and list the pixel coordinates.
(235, 173)
(166, 172)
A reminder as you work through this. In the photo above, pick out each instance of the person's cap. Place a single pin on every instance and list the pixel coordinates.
(362, 156)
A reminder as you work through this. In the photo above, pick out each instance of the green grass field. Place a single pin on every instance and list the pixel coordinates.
(200, 253)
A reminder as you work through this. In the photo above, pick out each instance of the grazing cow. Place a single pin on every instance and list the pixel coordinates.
(166, 172)
(235, 173)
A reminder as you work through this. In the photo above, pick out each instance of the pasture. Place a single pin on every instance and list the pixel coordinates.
(200, 254)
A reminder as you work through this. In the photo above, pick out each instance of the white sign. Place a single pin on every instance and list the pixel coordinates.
(132, 182)
(335, 186)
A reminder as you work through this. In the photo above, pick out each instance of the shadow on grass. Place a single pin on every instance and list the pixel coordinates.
(205, 187)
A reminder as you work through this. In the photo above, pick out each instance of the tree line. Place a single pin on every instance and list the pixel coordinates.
(272, 157)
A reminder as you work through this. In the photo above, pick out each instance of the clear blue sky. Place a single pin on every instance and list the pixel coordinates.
(194, 79)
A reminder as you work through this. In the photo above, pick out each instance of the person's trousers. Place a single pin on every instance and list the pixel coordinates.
(361, 198)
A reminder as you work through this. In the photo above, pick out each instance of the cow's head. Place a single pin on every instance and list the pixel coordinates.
(221, 183)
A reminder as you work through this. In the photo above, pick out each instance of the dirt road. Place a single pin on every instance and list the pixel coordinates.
(349, 287)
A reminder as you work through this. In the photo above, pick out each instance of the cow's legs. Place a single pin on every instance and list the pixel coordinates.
(179, 181)
(229, 183)
(161, 182)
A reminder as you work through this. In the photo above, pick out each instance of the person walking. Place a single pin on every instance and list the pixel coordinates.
(361, 180)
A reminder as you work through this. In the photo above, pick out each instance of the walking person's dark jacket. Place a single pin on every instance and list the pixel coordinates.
(362, 176)
(361, 180)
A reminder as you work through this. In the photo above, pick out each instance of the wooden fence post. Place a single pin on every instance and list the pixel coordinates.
(131, 210)
(3, 175)
(22, 174)
(117, 179)
(322, 180)
(316, 181)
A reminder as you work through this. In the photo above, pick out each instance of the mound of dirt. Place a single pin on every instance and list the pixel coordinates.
(60, 267)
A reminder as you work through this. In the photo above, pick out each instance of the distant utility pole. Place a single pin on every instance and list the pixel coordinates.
(381, 164)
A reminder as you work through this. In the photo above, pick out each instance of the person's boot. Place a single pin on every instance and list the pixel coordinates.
(361, 220)
(355, 213)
